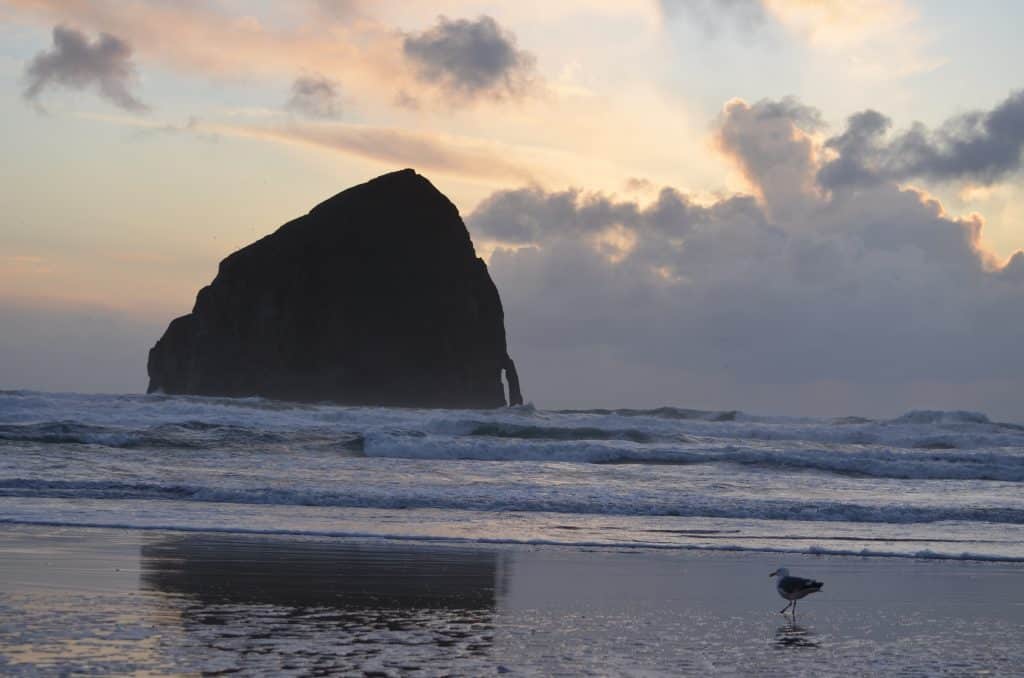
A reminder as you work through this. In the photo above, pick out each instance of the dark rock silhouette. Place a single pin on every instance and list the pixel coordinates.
(376, 297)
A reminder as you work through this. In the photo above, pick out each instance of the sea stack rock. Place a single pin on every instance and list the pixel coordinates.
(376, 297)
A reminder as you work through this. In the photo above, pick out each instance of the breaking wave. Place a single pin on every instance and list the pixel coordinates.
(522, 499)
(183, 461)
(881, 462)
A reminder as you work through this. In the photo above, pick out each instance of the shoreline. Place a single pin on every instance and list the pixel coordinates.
(462, 527)
(169, 601)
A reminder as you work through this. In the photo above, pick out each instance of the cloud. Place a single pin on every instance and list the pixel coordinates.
(529, 215)
(983, 147)
(712, 16)
(462, 58)
(795, 293)
(315, 96)
(770, 143)
(76, 63)
(472, 159)
(838, 24)
(210, 40)
(193, 126)
(870, 39)
(459, 156)
(470, 58)
(1014, 269)
(639, 184)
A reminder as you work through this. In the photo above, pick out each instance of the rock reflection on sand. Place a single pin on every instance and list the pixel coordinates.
(259, 605)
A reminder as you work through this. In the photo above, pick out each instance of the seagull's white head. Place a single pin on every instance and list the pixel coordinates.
(781, 572)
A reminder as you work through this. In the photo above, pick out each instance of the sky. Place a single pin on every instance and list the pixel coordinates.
(806, 207)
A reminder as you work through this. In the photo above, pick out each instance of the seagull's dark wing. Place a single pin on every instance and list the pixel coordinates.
(797, 584)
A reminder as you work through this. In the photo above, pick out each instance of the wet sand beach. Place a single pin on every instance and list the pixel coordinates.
(119, 601)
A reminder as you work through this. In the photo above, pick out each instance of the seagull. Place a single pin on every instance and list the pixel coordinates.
(793, 588)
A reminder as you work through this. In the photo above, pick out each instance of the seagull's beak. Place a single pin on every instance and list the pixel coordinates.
(773, 573)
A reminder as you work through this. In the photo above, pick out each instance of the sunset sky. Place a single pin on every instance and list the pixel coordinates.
(782, 206)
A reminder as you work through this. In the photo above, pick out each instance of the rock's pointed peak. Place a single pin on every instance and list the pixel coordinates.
(398, 178)
(408, 172)
(402, 184)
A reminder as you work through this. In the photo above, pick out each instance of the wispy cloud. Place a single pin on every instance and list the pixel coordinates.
(875, 39)
(713, 16)
(24, 264)
(207, 39)
(871, 39)
(471, 159)
(837, 24)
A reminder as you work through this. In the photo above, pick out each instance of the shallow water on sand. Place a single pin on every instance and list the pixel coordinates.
(113, 601)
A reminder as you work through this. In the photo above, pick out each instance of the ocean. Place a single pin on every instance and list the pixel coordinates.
(924, 484)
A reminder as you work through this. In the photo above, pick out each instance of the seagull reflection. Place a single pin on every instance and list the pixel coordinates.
(794, 636)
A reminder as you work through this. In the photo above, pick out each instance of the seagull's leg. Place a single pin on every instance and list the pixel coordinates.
(783, 610)
(794, 611)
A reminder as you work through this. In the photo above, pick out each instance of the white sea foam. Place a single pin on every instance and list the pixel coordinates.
(985, 464)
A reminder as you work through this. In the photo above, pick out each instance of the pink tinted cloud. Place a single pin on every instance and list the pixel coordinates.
(204, 38)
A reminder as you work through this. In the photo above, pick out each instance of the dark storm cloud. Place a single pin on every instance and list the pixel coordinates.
(470, 58)
(315, 96)
(77, 63)
(983, 147)
(696, 303)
